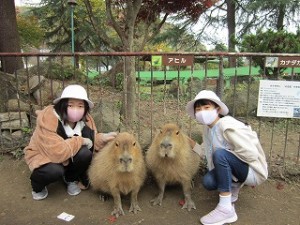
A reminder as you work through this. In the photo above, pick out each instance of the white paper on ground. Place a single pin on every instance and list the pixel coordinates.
(65, 216)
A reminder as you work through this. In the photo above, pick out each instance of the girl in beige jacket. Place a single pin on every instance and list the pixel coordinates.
(63, 143)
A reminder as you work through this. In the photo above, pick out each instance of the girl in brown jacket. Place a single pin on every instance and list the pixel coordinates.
(63, 142)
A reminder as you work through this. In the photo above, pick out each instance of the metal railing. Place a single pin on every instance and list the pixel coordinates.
(161, 91)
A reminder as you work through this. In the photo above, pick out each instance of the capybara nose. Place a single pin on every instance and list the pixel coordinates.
(165, 144)
(126, 160)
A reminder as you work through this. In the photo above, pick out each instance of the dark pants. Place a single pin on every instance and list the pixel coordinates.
(52, 172)
(226, 164)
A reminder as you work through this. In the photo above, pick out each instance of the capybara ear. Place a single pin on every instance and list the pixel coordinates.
(159, 129)
(180, 125)
(133, 132)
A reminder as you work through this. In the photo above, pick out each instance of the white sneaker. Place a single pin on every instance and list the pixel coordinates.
(73, 188)
(40, 195)
(219, 216)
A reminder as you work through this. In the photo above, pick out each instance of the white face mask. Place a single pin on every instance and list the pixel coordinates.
(206, 117)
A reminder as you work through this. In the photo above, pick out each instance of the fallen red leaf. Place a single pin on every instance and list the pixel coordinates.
(112, 219)
(181, 202)
(280, 186)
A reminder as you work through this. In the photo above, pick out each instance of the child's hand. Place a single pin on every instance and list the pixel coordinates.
(87, 142)
(109, 136)
(192, 142)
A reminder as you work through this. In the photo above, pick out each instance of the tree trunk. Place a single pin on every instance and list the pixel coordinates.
(9, 36)
(231, 30)
(280, 18)
(126, 32)
(129, 95)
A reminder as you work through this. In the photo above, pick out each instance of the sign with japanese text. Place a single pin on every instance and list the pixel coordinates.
(286, 61)
(279, 99)
(178, 60)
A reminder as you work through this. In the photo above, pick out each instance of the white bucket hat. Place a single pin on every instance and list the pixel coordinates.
(75, 91)
(209, 95)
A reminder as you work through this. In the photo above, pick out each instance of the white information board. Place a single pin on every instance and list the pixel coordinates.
(279, 99)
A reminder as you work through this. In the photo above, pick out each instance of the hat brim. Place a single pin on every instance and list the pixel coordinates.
(191, 112)
(91, 104)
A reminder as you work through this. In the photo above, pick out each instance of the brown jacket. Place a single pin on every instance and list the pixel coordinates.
(46, 145)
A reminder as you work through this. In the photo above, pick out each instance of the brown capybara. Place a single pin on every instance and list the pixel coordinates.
(119, 168)
(171, 160)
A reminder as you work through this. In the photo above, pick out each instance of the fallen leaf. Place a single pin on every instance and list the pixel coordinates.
(181, 202)
(112, 219)
(280, 185)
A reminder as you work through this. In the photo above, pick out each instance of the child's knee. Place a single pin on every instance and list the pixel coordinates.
(209, 183)
(219, 155)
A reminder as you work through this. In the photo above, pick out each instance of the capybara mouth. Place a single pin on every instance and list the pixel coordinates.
(166, 153)
(126, 168)
(165, 149)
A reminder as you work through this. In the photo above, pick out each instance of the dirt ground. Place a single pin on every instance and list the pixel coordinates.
(274, 202)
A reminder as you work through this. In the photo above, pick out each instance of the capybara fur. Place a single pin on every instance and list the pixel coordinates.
(171, 160)
(119, 169)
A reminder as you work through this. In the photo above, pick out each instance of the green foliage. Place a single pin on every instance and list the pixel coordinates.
(55, 17)
(27, 130)
(237, 99)
(177, 38)
(31, 34)
(274, 14)
(271, 42)
(94, 31)
(158, 94)
(66, 73)
(56, 71)
(18, 153)
(212, 65)
(119, 81)
(220, 47)
(104, 80)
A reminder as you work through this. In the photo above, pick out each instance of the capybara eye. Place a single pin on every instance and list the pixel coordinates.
(177, 132)
(134, 143)
(117, 144)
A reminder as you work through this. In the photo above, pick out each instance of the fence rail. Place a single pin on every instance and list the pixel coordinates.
(161, 95)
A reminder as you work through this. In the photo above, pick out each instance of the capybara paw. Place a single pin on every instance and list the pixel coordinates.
(189, 205)
(117, 212)
(103, 197)
(134, 208)
(156, 201)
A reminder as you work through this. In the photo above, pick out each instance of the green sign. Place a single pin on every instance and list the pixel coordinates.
(156, 60)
